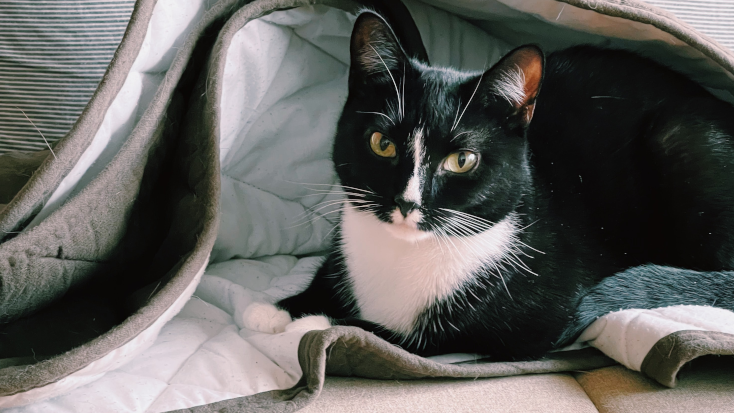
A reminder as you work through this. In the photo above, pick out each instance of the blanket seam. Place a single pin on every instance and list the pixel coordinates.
(277, 196)
(305, 209)
(168, 383)
(292, 29)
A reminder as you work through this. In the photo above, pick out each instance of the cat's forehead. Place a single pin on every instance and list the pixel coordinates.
(438, 97)
(444, 76)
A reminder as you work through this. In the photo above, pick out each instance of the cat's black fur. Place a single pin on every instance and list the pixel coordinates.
(624, 175)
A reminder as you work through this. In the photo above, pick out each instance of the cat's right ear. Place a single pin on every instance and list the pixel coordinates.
(374, 46)
(516, 80)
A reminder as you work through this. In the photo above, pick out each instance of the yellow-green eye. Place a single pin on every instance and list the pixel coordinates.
(382, 146)
(460, 162)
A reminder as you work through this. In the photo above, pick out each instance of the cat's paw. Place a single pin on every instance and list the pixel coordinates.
(265, 318)
(308, 323)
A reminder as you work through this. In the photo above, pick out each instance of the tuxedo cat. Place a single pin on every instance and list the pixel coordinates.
(501, 212)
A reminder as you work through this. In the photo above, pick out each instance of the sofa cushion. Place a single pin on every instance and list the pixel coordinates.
(545, 393)
(705, 385)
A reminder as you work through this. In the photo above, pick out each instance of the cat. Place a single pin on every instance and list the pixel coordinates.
(500, 212)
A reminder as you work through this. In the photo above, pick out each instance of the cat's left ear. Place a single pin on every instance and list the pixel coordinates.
(374, 47)
(516, 79)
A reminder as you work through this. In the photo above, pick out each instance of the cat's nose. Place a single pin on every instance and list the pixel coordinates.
(405, 205)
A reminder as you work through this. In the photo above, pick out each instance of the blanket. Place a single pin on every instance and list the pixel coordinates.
(262, 99)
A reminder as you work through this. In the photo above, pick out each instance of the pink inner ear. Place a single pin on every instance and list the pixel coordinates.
(373, 46)
(531, 63)
(532, 66)
(365, 29)
(520, 75)
(517, 78)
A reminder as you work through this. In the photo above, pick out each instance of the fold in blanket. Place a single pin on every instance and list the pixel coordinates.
(659, 342)
(350, 351)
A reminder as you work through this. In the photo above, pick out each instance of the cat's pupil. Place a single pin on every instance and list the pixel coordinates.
(461, 159)
(384, 143)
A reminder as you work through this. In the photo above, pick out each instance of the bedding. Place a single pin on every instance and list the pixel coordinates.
(252, 151)
(710, 17)
(52, 57)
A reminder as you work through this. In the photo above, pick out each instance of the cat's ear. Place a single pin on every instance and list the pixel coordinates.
(374, 46)
(516, 79)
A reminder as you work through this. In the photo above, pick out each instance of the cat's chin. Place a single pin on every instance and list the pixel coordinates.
(406, 228)
(406, 232)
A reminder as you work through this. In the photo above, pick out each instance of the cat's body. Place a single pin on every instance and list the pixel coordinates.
(625, 163)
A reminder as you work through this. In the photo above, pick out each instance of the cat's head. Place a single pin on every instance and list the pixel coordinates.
(429, 149)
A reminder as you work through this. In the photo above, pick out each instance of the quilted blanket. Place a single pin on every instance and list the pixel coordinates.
(185, 201)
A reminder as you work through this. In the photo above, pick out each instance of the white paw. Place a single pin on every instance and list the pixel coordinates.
(265, 317)
(308, 323)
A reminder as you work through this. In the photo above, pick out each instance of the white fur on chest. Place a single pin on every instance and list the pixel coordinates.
(394, 280)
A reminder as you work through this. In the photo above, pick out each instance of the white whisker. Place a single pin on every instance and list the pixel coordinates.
(521, 263)
(313, 219)
(467, 215)
(467, 103)
(462, 133)
(528, 246)
(378, 113)
(474, 224)
(38, 130)
(400, 107)
(326, 204)
(456, 116)
(327, 193)
(504, 284)
(403, 97)
(499, 275)
(529, 225)
(306, 184)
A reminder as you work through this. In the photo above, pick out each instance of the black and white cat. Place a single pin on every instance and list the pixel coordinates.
(487, 216)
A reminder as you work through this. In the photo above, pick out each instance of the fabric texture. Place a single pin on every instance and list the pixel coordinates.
(24, 289)
(52, 57)
(642, 12)
(15, 170)
(157, 225)
(150, 214)
(67, 151)
(714, 18)
(92, 372)
(664, 361)
(350, 351)
(546, 393)
(704, 386)
(631, 336)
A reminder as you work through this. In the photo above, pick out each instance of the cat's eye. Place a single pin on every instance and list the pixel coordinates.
(382, 146)
(460, 162)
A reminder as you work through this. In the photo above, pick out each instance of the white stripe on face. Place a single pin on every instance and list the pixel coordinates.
(415, 183)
